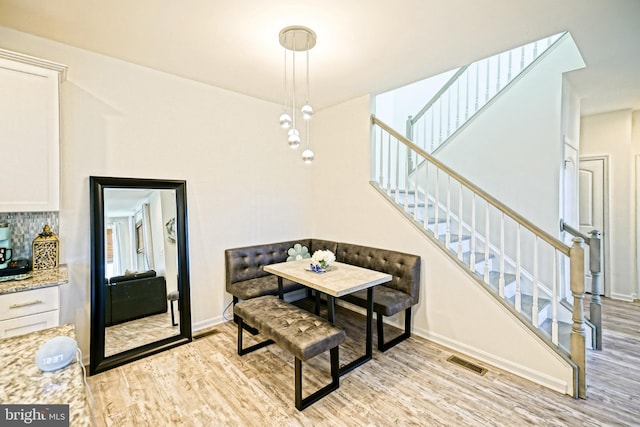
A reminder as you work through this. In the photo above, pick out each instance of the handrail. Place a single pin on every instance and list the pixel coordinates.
(573, 231)
(556, 243)
(564, 267)
(517, 61)
(439, 94)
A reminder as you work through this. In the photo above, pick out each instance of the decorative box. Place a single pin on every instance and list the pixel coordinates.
(45, 250)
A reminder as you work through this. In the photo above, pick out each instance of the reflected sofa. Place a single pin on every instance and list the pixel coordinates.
(134, 296)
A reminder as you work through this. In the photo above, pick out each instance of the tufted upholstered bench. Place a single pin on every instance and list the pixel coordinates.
(297, 331)
(246, 278)
(390, 298)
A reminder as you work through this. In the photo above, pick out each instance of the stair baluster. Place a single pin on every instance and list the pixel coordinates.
(447, 237)
(501, 282)
(518, 272)
(472, 254)
(554, 295)
(436, 204)
(534, 308)
(460, 217)
(425, 220)
(486, 242)
(519, 261)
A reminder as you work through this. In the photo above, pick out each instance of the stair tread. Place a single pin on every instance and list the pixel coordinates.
(479, 256)
(414, 205)
(454, 238)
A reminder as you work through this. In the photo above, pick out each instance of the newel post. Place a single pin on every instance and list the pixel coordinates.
(578, 335)
(409, 128)
(595, 265)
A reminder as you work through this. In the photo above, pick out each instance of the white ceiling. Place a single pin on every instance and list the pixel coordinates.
(364, 46)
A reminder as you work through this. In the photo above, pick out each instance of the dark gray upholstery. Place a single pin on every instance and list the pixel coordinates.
(303, 334)
(392, 297)
(246, 278)
(296, 330)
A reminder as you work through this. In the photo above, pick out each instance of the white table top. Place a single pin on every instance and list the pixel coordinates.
(341, 279)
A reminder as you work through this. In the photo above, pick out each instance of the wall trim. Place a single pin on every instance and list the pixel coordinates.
(537, 377)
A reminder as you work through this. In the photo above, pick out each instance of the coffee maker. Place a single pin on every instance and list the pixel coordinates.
(6, 253)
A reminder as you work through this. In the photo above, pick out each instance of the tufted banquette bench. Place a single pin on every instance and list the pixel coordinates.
(246, 279)
(297, 331)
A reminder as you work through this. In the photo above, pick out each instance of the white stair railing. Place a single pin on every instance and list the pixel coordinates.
(438, 200)
(470, 89)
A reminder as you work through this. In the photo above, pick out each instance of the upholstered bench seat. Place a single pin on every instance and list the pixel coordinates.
(387, 301)
(297, 331)
(246, 278)
(259, 286)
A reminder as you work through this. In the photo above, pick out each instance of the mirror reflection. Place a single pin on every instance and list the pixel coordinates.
(140, 267)
(140, 296)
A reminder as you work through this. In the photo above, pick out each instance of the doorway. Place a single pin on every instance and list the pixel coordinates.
(593, 210)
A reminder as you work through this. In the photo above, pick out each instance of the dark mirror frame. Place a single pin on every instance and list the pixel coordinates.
(98, 361)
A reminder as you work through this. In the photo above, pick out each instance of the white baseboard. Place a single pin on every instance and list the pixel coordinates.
(622, 297)
(506, 365)
(206, 324)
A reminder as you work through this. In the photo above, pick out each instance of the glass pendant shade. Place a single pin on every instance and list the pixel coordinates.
(285, 121)
(307, 156)
(307, 111)
(295, 40)
(294, 138)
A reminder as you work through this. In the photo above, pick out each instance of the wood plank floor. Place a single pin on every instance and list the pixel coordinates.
(205, 383)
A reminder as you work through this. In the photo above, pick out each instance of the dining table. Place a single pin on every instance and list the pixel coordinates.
(338, 280)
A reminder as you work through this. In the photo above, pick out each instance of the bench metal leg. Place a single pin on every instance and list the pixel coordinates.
(318, 394)
(252, 331)
(243, 351)
(382, 346)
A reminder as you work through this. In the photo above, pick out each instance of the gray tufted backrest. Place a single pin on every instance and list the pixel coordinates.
(246, 263)
(405, 268)
(323, 245)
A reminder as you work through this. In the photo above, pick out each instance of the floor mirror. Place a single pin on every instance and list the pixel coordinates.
(140, 300)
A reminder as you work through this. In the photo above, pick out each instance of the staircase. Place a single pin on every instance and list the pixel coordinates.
(536, 276)
(469, 91)
(517, 290)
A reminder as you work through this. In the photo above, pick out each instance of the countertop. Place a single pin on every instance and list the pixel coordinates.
(39, 279)
(21, 382)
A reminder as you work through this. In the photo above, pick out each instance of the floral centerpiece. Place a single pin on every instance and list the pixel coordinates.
(322, 260)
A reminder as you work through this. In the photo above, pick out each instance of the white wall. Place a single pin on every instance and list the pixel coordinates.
(453, 310)
(519, 136)
(617, 135)
(244, 185)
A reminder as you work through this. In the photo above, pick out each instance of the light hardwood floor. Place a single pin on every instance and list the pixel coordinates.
(205, 383)
(136, 333)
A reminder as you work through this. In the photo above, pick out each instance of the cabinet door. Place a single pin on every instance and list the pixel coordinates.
(29, 138)
(27, 324)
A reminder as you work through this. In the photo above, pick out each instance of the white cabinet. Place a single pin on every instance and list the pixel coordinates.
(29, 133)
(29, 311)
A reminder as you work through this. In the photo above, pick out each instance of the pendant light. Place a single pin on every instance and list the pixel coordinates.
(296, 39)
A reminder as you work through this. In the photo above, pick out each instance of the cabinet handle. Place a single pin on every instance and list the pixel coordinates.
(25, 304)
